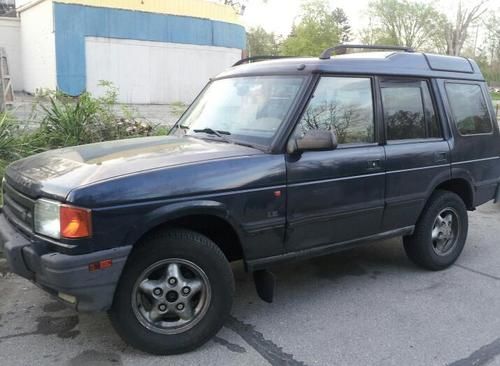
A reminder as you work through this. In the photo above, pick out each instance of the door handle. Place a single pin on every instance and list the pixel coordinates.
(440, 157)
(373, 164)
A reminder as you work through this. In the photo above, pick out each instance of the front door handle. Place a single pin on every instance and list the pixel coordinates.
(441, 157)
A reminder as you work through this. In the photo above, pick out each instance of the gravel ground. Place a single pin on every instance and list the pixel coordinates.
(368, 306)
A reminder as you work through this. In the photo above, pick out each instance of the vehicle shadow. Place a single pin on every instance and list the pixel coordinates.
(371, 261)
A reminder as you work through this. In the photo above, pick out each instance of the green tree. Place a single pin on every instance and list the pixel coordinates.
(260, 42)
(318, 28)
(402, 22)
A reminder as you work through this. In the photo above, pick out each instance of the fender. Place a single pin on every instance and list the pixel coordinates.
(456, 174)
(437, 180)
(177, 210)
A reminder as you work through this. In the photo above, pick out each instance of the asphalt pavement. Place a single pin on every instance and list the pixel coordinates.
(367, 306)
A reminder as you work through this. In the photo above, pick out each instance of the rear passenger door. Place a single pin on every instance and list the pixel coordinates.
(417, 155)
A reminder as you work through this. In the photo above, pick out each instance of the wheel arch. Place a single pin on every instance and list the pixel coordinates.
(209, 218)
(460, 186)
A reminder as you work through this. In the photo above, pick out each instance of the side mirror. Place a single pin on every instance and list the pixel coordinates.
(313, 140)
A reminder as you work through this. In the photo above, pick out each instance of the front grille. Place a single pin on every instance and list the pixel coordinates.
(18, 208)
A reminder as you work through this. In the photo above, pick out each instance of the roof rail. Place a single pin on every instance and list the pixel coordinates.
(248, 60)
(326, 54)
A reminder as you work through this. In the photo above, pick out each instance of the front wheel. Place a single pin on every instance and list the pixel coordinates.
(174, 295)
(440, 232)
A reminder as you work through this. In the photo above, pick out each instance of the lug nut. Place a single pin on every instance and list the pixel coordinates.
(172, 281)
(180, 306)
(186, 290)
(162, 307)
(157, 291)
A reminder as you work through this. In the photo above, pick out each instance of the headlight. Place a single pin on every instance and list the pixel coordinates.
(57, 220)
(47, 218)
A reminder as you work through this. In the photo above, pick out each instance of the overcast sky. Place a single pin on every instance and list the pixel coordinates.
(278, 15)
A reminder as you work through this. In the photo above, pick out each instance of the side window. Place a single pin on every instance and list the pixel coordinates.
(343, 105)
(408, 110)
(469, 108)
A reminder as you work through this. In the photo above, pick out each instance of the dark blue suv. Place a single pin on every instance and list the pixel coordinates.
(274, 161)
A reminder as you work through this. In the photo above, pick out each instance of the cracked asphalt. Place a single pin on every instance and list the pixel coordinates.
(367, 306)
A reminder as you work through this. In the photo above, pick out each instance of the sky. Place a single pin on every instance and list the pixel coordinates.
(278, 15)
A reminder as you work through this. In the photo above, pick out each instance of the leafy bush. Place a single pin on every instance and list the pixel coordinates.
(85, 119)
(12, 146)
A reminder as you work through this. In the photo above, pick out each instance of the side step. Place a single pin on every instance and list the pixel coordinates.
(265, 282)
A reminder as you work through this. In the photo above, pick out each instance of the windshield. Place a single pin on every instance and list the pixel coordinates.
(241, 109)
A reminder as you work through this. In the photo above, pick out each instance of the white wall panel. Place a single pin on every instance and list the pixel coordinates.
(10, 39)
(38, 47)
(154, 72)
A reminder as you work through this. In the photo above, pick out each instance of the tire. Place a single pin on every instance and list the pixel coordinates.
(196, 263)
(436, 243)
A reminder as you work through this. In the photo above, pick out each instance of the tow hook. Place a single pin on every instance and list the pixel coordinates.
(265, 282)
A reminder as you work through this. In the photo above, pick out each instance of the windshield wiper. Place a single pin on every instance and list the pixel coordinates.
(211, 131)
(220, 133)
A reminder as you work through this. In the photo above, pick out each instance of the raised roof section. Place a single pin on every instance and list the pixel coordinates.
(373, 63)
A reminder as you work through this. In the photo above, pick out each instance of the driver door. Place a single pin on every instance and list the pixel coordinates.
(338, 195)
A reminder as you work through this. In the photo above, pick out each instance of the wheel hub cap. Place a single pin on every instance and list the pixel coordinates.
(171, 296)
(445, 231)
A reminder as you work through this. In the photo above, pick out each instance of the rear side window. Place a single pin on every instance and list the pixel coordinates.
(469, 108)
(408, 110)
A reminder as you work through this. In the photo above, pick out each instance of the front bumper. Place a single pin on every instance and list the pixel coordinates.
(59, 273)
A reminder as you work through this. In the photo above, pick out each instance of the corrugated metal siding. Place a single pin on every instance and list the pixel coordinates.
(74, 22)
(190, 8)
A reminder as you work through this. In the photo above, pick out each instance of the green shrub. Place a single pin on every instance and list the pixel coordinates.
(85, 119)
(12, 145)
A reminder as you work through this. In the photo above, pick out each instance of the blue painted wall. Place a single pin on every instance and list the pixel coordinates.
(74, 22)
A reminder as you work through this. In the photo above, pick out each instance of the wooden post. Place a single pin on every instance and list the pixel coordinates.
(6, 91)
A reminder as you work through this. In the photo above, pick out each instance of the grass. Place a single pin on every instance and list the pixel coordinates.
(495, 95)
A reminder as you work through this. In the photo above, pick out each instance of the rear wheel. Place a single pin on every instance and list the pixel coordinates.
(440, 232)
(174, 295)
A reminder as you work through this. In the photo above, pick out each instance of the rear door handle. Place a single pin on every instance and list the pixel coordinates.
(440, 157)
(374, 164)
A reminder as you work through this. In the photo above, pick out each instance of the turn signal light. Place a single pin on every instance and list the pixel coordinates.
(76, 223)
(96, 266)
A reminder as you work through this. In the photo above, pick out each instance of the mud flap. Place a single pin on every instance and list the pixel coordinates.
(264, 284)
(497, 195)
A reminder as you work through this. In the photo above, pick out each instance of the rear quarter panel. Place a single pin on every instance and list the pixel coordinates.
(474, 158)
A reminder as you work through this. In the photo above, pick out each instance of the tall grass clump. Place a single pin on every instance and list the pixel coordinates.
(70, 121)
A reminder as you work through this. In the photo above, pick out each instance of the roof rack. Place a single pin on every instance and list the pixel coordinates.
(248, 60)
(326, 54)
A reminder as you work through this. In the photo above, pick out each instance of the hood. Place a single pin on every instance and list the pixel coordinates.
(55, 173)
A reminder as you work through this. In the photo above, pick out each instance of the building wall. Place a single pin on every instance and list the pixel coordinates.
(190, 8)
(75, 22)
(10, 39)
(38, 47)
(154, 72)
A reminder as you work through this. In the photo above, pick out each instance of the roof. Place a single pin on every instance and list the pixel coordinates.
(378, 63)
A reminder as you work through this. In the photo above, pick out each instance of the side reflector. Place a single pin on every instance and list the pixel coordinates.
(75, 222)
(105, 263)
